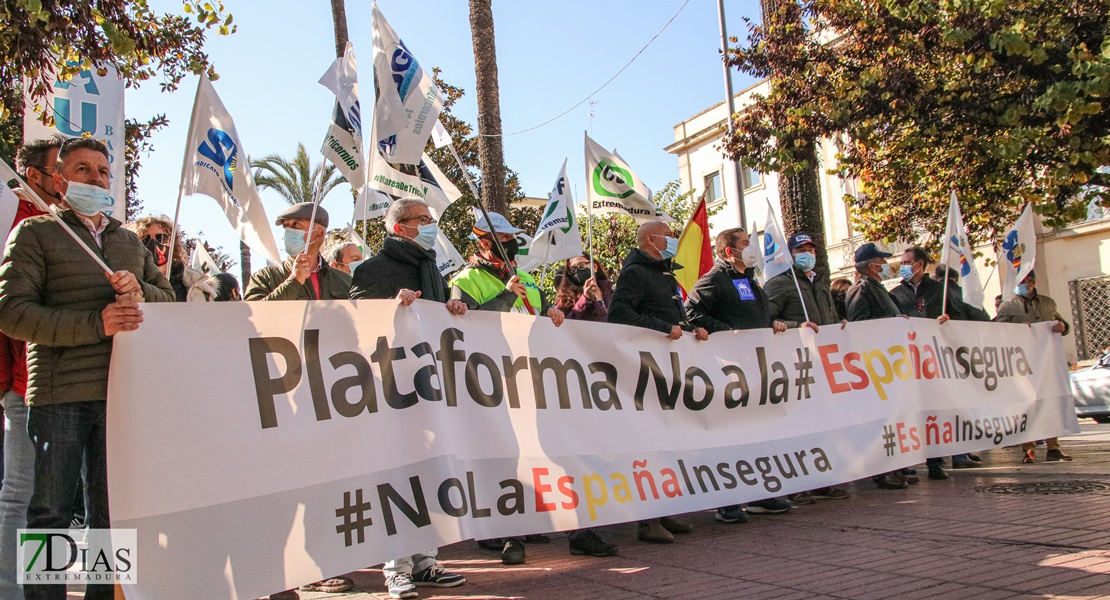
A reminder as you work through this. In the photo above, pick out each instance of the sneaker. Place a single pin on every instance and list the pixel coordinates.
(890, 481)
(974, 457)
(770, 506)
(1042, 443)
(1056, 455)
(513, 552)
(652, 532)
(589, 543)
(801, 498)
(904, 477)
(437, 576)
(1029, 457)
(400, 585)
(675, 526)
(831, 493)
(937, 473)
(732, 514)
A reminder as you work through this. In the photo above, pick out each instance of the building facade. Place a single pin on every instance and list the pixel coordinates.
(1072, 263)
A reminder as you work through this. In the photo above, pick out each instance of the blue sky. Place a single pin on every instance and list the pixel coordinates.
(550, 56)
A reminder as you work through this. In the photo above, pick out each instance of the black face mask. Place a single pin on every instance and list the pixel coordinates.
(579, 275)
(159, 250)
(511, 247)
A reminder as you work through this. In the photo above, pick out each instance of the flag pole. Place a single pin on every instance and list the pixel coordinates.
(793, 274)
(8, 173)
(589, 231)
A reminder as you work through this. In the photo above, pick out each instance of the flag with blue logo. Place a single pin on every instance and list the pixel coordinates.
(958, 255)
(216, 166)
(558, 237)
(343, 142)
(408, 104)
(776, 258)
(1018, 252)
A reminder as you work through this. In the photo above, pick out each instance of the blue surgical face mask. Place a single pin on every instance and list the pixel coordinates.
(294, 241)
(805, 261)
(906, 272)
(1021, 289)
(354, 265)
(426, 236)
(885, 272)
(87, 199)
(671, 250)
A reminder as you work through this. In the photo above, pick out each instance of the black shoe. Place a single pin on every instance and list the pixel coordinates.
(966, 463)
(909, 471)
(770, 506)
(537, 538)
(906, 478)
(974, 457)
(493, 544)
(513, 552)
(589, 543)
(890, 482)
(937, 473)
(732, 514)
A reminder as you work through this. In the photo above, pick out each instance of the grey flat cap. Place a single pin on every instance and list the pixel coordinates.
(303, 211)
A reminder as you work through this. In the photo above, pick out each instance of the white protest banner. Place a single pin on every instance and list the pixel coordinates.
(349, 433)
(87, 104)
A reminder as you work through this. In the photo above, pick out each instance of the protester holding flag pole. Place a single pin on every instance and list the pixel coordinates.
(305, 275)
(958, 256)
(776, 258)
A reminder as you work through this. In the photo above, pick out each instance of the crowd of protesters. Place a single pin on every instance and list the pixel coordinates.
(59, 311)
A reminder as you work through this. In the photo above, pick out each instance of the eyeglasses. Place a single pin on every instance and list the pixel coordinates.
(42, 169)
(161, 238)
(423, 220)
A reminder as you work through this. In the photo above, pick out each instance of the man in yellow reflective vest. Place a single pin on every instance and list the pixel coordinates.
(491, 281)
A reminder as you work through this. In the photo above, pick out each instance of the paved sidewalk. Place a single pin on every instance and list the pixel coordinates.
(939, 539)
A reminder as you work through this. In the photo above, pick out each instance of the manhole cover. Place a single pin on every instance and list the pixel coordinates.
(1048, 487)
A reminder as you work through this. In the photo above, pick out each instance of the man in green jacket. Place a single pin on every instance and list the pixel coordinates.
(57, 298)
(1027, 306)
(782, 292)
(305, 275)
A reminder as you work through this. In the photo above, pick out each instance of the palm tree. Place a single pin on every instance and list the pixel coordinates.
(491, 154)
(296, 180)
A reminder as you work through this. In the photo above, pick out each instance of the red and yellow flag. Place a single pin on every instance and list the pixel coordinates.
(695, 252)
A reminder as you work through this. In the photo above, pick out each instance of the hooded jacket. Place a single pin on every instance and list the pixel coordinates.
(725, 299)
(647, 294)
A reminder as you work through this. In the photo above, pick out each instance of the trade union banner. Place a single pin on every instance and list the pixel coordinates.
(298, 440)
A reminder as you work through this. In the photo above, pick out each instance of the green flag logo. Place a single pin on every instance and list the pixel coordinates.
(607, 174)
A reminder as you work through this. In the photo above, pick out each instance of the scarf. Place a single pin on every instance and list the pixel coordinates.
(432, 285)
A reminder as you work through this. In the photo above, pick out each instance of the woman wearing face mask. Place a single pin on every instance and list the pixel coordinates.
(581, 294)
(154, 232)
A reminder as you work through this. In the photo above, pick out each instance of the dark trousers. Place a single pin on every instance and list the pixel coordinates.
(64, 437)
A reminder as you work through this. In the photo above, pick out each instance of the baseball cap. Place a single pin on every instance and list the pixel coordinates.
(798, 239)
(870, 251)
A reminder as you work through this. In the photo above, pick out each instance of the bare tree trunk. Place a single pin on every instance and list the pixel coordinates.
(245, 261)
(800, 194)
(339, 20)
(491, 155)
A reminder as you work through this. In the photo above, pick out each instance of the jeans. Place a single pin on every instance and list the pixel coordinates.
(63, 436)
(410, 564)
(19, 473)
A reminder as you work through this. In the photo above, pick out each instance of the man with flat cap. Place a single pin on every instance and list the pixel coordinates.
(305, 275)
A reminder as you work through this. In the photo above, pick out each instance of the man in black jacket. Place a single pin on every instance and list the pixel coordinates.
(920, 296)
(647, 295)
(973, 313)
(867, 299)
(406, 269)
(783, 294)
(726, 298)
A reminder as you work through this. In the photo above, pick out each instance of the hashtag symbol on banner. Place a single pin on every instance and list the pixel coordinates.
(354, 517)
(888, 440)
(804, 379)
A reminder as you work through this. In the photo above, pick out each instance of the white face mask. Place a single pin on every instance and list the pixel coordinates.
(294, 241)
(86, 199)
(749, 256)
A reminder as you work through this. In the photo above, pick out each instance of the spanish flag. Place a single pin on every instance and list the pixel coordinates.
(695, 252)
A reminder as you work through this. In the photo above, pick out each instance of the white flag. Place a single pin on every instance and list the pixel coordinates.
(9, 204)
(1019, 252)
(213, 168)
(202, 260)
(408, 104)
(343, 143)
(558, 237)
(958, 256)
(429, 184)
(612, 187)
(362, 247)
(776, 259)
(440, 137)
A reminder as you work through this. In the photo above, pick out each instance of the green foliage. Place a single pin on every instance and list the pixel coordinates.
(1001, 101)
(68, 36)
(296, 180)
